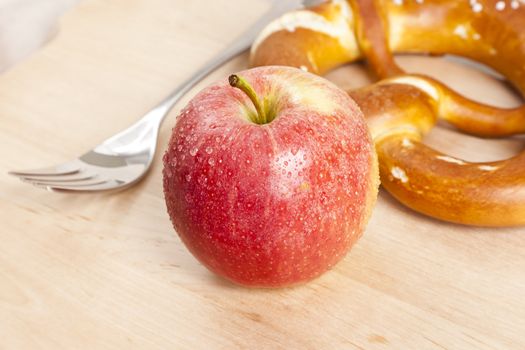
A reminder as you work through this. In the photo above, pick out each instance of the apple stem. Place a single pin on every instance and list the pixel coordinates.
(241, 84)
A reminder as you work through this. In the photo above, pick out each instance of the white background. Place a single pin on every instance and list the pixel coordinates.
(27, 24)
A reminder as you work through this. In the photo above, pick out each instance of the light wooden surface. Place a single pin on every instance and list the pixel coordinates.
(106, 271)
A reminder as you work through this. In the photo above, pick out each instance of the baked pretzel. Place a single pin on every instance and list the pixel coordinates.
(402, 108)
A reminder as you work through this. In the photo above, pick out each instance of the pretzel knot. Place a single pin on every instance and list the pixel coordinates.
(402, 108)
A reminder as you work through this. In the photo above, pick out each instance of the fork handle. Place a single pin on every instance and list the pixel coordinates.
(233, 50)
(146, 128)
(242, 43)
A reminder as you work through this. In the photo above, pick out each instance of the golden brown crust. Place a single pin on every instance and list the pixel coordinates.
(495, 38)
(401, 109)
(372, 34)
(433, 183)
(486, 194)
(301, 48)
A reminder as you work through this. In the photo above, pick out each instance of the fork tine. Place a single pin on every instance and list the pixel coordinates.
(106, 185)
(62, 169)
(78, 176)
(80, 183)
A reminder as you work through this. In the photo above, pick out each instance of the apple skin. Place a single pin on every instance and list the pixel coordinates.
(275, 204)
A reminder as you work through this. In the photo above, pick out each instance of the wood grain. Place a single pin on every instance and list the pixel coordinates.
(106, 271)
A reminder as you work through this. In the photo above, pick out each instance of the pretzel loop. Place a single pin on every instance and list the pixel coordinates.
(402, 108)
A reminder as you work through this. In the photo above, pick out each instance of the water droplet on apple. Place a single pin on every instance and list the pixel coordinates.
(211, 162)
(209, 150)
(193, 152)
(202, 180)
(188, 177)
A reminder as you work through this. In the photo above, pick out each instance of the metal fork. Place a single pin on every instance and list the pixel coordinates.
(123, 159)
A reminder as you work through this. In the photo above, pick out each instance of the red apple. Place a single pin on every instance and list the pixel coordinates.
(269, 183)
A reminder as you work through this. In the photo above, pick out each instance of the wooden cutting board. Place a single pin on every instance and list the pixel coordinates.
(106, 271)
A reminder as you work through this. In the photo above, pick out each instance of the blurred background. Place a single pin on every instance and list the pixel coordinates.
(27, 24)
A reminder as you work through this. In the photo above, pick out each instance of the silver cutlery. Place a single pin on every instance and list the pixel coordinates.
(123, 159)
